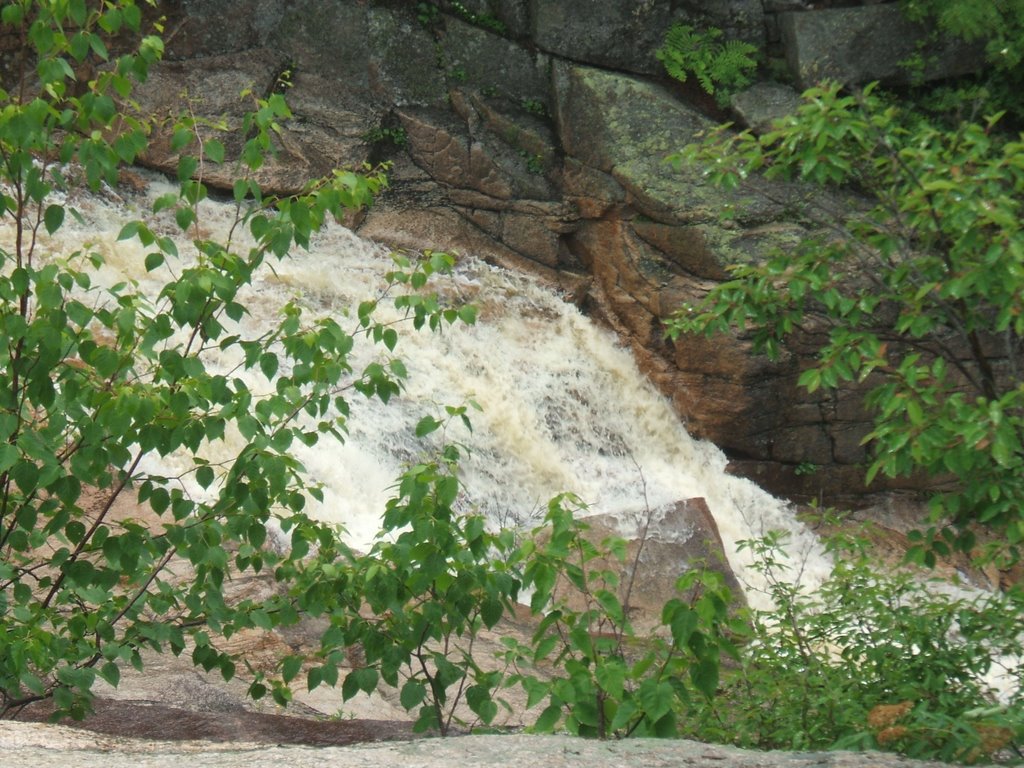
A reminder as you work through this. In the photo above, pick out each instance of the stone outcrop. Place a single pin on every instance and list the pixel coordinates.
(30, 745)
(856, 45)
(667, 543)
(534, 133)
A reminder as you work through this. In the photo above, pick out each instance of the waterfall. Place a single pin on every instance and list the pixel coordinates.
(564, 406)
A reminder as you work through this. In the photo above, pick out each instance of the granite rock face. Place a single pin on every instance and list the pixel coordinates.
(857, 45)
(30, 745)
(535, 133)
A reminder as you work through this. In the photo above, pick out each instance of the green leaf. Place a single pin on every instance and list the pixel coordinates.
(704, 675)
(162, 203)
(187, 166)
(9, 455)
(366, 679)
(548, 719)
(290, 667)
(204, 476)
(491, 612)
(110, 673)
(181, 138)
(479, 699)
(268, 364)
(412, 694)
(314, 677)
(129, 230)
(154, 260)
(427, 425)
(214, 150)
(914, 412)
(185, 218)
(53, 218)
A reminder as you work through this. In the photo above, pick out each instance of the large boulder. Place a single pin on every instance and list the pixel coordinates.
(663, 544)
(328, 130)
(624, 36)
(658, 240)
(873, 42)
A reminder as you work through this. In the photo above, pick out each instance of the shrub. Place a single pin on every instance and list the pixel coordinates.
(93, 380)
(874, 658)
(597, 676)
(431, 582)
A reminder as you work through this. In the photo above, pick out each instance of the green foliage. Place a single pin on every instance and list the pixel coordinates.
(93, 379)
(534, 162)
(534, 106)
(999, 25)
(998, 28)
(920, 296)
(429, 13)
(483, 20)
(601, 679)
(721, 68)
(873, 659)
(396, 137)
(433, 580)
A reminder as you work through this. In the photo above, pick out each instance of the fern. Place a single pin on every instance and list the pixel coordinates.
(720, 68)
(734, 64)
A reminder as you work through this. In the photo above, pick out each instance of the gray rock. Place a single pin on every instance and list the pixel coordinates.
(627, 127)
(199, 28)
(664, 543)
(611, 33)
(328, 40)
(325, 133)
(476, 59)
(857, 45)
(760, 105)
(30, 745)
(403, 68)
(740, 19)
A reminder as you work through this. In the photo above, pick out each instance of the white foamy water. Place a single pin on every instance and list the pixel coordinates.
(564, 407)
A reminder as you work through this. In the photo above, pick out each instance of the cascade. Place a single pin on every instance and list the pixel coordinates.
(563, 405)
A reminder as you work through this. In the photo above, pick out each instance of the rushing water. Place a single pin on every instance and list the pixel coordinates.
(564, 407)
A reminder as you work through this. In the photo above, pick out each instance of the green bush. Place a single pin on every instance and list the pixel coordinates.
(93, 380)
(874, 658)
(432, 581)
(597, 676)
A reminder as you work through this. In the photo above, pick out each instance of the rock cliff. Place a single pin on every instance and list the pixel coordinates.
(534, 133)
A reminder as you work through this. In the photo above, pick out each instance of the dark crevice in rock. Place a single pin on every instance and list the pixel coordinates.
(149, 720)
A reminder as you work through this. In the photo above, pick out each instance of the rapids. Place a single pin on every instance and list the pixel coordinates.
(563, 405)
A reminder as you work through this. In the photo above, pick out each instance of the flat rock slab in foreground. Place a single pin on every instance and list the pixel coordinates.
(32, 745)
